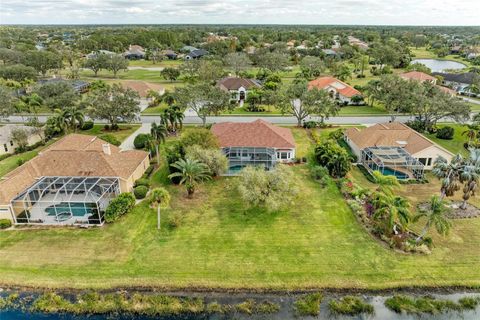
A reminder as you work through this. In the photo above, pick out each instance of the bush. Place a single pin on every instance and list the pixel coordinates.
(141, 140)
(142, 182)
(273, 189)
(87, 125)
(215, 160)
(333, 157)
(310, 124)
(119, 206)
(140, 192)
(350, 305)
(110, 139)
(309, 305)
(445, 133)
(5, 223)
(20, 161)
(202, 137)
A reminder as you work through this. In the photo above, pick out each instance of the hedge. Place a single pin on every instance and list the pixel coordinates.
(5, 223)
(119, 206)
(148, 172)
(140, 192)
(142, 182)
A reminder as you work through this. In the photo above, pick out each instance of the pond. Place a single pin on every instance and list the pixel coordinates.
(284, 301)
(440, 65)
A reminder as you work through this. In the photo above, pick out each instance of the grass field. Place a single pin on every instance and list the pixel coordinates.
(221, 244)
(10, 163)
(456, 144)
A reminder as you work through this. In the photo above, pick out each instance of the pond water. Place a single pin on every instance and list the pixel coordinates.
(285, 301)
(440, 65)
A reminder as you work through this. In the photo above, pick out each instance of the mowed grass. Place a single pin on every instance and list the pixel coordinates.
(220, 243)
(10, 163)
(456, 144)
(124, 131)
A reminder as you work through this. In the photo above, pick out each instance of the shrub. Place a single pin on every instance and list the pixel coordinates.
(333, 157)
(140, 141)
(5, 223)
(148, 172)
(87, 125)
(445, 133)
(273, 189)
(350, 305)
(175, 220)
(110, 139)
(310, 124)
(142, 182)
(119, 206)
(319, 174)
(215, 160)
(140, 192)
(202, 137)
(309, 305)
(20, 161)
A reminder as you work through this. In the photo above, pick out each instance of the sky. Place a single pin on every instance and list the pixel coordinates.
(363, 12)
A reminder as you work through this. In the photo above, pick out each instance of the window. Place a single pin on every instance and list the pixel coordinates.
(423, 161)
(11, 143)
(429, 161)
(284, 155)
(5, 146)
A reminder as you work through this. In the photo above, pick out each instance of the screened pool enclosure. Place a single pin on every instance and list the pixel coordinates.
(240, 157)
(65, 201)
(392, 161)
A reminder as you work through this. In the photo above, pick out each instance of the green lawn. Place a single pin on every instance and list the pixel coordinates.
(150, 64)
(10, 163)
(219, 243)
(456, 144)
(125, 130)
(155, 110)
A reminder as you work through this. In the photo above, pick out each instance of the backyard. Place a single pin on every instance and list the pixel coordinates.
(218, 243)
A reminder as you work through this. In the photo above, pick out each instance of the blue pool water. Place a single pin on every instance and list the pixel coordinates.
(390, 172)
(78, 209)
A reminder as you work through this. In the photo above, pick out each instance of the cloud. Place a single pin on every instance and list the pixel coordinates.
(394, 12)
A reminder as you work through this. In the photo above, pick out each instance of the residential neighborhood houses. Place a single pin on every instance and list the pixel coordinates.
(276, 158)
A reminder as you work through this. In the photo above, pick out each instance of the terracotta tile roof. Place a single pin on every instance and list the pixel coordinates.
(394, 134)
(253, 134)
(74, 155)
(232, 83)
(447, 90)
(417, 75)
(331, 82)
(142, 87)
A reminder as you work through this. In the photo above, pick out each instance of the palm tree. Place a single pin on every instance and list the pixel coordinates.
(470, 176)
(73, 117)
(436, 216)
(173, 117)
(159, 197)
(471, 134)
(32, 102)
(168, 97)
(191, 172)
(450, 173)
(393, 209)
(158, 133)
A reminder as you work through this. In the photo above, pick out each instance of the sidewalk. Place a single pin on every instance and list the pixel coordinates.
(127, 144)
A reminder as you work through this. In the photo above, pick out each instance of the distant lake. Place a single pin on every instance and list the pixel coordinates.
(440, 65)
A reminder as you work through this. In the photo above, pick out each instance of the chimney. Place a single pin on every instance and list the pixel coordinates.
(106, 149)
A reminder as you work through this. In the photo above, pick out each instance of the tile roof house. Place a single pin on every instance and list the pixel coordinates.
(254, 143)
(142, 87)
(336, 88)
(458, 81)
(7, 145)
(393, 135)
(99, 169)
(238, 87)
(422, 77)
(418, 76)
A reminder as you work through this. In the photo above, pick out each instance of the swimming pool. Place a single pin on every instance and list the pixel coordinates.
(78, 209)
(386, 171)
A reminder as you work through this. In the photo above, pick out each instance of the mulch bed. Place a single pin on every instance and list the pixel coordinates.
(456, 213)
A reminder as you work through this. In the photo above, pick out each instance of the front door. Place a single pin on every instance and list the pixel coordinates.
(242, 95)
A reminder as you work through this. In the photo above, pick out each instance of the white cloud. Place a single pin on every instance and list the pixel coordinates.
(391, 12)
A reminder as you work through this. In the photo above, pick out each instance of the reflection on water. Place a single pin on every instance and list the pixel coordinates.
(286, 303)
(440, 65)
